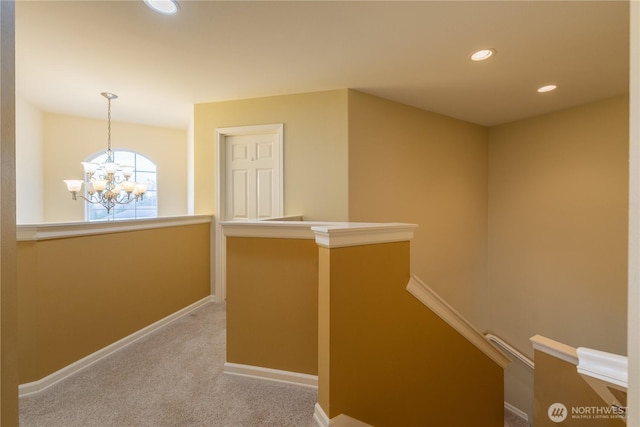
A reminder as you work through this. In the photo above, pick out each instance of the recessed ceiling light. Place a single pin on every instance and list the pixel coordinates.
(547, 88)
(168, 7)
(483, 54)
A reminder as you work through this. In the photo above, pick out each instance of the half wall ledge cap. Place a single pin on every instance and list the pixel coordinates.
(63, 230)
(555, 349)
(358, 234)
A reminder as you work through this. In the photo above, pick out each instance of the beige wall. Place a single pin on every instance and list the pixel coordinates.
(552, 188)
(390, 361)
(272, 303)
(315, 149)
(558, 229)
(69, 140)
(68, 307)
(8, 287)
(410, 165)
(633, 315)
(29, 163)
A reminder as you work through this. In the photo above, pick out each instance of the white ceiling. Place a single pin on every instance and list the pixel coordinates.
(415, 52)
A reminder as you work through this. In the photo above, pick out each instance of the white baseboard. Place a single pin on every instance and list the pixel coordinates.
(320, 418)
(271, 374)
(517, 411)
(35, 387)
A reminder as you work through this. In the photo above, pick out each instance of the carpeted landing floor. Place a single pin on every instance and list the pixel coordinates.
(172, 378)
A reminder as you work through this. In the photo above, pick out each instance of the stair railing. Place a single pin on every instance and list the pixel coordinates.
(511, 350)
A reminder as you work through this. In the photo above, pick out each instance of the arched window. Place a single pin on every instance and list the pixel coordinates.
(144, 171)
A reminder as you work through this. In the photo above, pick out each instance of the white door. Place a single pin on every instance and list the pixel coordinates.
(252, 176)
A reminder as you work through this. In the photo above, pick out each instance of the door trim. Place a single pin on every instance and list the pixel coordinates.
(219, 285)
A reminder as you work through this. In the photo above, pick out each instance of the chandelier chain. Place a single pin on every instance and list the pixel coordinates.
(109, 129)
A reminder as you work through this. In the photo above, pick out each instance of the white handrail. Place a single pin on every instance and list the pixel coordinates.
(505, 346)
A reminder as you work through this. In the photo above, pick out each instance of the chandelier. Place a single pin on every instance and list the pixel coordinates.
(108, 184)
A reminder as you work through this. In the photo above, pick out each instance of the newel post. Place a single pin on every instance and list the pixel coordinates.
(357, 265)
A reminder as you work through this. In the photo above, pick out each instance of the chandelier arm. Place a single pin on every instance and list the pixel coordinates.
(124, 201)
(90, 200)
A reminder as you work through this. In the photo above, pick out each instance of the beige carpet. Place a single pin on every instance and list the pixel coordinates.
(512, 420)
(170, 378)
(174, 378)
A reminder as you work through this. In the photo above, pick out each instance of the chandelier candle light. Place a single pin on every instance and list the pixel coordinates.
(108, 183)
